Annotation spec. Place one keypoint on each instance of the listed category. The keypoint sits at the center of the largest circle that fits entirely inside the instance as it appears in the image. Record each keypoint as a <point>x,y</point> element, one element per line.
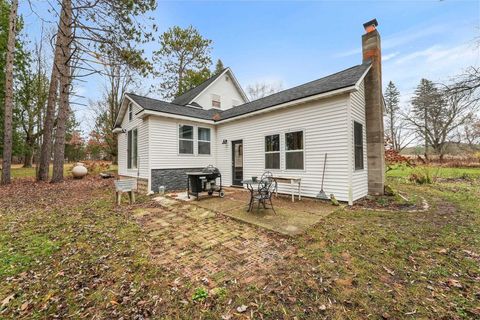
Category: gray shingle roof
<point>188,96</point>
<point>171,108</point>
<point>339,80</point>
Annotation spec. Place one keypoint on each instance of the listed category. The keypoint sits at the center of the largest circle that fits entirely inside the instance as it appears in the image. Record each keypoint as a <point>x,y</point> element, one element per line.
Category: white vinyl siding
<point>164,145</point>
<point>359,177</point>
<point>324,126</point>
<point>142,169</point>
<point>224,90</point>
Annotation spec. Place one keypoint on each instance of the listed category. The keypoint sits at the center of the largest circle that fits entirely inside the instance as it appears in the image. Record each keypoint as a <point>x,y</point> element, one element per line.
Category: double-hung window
<point>358,145</point>
<point>132,149</point>
<point>204,140</point>
<point>272,151</point>
<point>185,139</point>
<point>294,150</point>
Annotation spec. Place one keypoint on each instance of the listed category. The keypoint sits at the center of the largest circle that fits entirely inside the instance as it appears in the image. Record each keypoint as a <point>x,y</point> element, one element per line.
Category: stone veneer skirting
<point>172,179</point>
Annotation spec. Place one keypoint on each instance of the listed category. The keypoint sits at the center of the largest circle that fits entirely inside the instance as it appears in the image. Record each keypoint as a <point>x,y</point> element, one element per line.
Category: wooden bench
<point>128,186</point>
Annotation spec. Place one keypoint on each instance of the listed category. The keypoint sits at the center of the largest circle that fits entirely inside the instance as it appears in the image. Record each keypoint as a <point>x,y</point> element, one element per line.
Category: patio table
<point>293,181</point>
<point>250,186</point>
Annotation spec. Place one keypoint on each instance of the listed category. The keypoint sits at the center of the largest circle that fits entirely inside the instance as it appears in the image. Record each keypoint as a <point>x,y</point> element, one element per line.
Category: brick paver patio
<point>198,243</point>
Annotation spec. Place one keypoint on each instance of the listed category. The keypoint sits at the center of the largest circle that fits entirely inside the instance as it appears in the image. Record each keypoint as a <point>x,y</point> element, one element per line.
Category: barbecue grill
<point>204,181</point>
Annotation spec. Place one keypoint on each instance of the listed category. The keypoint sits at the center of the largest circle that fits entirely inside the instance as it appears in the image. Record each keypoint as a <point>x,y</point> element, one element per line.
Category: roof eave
<point>121,113</point>
<point>146,112</point>
<point>357,84</point>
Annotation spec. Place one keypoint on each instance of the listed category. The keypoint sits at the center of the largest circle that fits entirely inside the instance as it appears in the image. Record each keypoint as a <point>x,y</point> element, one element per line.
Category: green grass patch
<point>402,171</point>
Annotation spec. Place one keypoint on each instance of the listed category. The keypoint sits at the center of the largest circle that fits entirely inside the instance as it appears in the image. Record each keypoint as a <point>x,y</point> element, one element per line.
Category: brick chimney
<point>371,51</point>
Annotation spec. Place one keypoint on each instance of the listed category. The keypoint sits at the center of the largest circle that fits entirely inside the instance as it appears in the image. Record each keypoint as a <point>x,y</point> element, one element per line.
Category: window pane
<point>186,132</point>
<point>294,140</point>
<point>185,147</point>
<point>272,143</point>
<point>272,161</point>
<point>294,160</point>
<point>204,134</point>
<point>129,149</point>
<point>358,145</point>
<point>203,147</point>
<point>135,148</point>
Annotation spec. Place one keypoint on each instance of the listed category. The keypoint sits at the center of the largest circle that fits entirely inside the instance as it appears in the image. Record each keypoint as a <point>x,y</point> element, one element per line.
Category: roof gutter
<point>145,113</point>
<point>293,103</point>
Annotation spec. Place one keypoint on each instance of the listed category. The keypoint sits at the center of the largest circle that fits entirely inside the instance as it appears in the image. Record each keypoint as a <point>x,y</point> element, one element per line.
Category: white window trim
<point>209,141</point>
<point>268,152</point>
<point>302,150</point>
<point>184,139</point>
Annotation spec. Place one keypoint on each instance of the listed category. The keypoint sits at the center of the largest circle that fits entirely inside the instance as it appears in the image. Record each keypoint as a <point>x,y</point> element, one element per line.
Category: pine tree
<point>181,51</point>
<point>426,102</point>
<point>219,67</point>
<point>392,99</point>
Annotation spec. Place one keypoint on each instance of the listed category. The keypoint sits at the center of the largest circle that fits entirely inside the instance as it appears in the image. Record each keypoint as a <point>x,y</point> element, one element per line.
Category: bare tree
<point>66,34</point>
<point>49,118</point>
<point>471,131</point>
<point>85,27</point>
<point>8,114</point>
<point>437,114</point>
<point>262,89</point>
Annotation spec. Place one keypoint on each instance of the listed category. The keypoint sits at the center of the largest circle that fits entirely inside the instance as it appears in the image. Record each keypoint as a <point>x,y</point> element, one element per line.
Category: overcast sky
<point>295,42</point>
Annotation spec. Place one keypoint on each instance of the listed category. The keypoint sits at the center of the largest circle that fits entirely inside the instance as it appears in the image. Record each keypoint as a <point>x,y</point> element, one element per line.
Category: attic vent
<point>216,101</point>
<point>227,78</point>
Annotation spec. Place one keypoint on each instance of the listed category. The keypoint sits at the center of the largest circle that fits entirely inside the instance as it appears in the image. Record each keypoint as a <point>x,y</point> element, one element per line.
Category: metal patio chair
<point>264,193</point>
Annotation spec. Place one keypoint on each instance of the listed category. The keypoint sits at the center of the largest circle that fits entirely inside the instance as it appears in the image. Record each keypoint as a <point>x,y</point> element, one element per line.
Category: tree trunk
<point>28,155</point>
<point>46,149</point>
<point>8,114</point>
<point>65,81</point>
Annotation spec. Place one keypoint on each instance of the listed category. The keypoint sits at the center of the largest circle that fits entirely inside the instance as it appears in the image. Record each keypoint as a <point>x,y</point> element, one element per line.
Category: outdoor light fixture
<point>224,141</point>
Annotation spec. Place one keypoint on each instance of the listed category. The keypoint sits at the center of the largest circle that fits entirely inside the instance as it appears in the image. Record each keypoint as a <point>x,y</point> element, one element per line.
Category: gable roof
<point>191,94</point>
<point>340,80</point>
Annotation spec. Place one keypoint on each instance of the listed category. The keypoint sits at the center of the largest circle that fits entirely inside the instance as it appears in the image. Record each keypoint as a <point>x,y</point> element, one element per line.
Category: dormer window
<point>216,101</point>
<point>130,112</point>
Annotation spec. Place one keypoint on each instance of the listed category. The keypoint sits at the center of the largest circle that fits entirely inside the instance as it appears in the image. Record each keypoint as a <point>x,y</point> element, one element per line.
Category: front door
<point>237,162</point>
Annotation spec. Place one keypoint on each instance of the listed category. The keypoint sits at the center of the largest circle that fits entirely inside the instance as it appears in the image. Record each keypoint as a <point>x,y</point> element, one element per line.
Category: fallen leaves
<point>242,308</point>
<point>7,300</point>
<point>389,271</point>
<point>454,283</point>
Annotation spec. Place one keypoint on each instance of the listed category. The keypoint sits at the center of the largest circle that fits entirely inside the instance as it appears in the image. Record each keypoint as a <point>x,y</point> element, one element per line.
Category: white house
<point>287,133</point>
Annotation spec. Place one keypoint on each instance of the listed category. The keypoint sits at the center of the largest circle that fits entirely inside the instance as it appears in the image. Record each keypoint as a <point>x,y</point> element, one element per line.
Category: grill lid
<point>211,170</point>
